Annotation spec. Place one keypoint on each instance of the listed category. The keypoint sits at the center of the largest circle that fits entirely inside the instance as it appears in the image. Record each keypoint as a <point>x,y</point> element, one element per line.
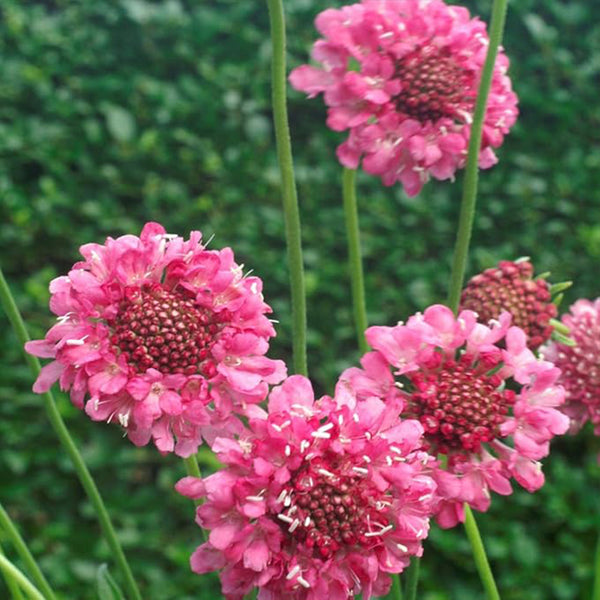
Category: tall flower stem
<point>354,257</point>
<point>11,571</point>
<point>412,579</point>
<point>290,199</point>
<point>481,561</point>
<point>62,432</point>
<point>396,590</point>
<point>11,583</point>
<point>22,550</point>
<point>463,238</point>
<point>469,196</point>
<point>596,591</point>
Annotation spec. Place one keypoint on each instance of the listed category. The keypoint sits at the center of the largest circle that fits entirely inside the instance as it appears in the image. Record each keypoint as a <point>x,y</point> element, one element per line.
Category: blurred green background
<point>117,112</point>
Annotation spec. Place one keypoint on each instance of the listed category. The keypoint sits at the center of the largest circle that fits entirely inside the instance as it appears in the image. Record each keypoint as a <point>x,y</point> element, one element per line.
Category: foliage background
<point>116,112</point>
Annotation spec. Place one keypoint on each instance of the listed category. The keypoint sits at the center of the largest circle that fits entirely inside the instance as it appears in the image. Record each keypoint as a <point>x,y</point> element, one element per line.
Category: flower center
<point>163,330</point>
<point>460,407</point>
<point>433,85</point>
<point>327,511</point>
<point>510,288</point>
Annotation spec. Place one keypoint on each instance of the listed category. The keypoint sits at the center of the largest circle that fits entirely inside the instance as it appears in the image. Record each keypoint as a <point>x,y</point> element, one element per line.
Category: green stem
<point>355,258</point>
<point>62,432</point>
<point>288,185</point>
<point>396,590</point>
<point>412,579</point>
<point>193,470</point>
<point>467,209</point>
<point>22,550</point>
<point>481,561</point>
<point>11,583</point>
<point>20,579</point>
<point>596,591</point>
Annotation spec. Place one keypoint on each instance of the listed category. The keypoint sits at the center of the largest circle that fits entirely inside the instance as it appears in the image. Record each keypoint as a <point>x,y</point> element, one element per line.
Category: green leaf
<point>556,288</point>
<point>120,122</point>
<point>106,586</point>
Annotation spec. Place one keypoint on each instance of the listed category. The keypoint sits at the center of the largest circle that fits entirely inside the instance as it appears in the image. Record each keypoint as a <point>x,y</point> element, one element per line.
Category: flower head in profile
<point>160,335</point>
<point>319,500</point>
<point>485,402</point>
<point>580,364</point>
<point>402,77</point>
<point>511,287</point>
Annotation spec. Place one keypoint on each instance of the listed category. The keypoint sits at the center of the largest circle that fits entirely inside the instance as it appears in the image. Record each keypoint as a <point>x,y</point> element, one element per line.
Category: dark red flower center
<point>510,287</point>
<point>433,85</point>
<point>327,510</point>
<point>164,330</point>
<point>459,406</point>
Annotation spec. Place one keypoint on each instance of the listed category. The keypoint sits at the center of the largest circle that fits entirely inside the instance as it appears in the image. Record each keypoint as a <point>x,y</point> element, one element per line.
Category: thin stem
<point>62,432</point>
<point>396,590</point>
<point>288,185</point>
<point>22,581</point>
<point>469,196</point>
<point>193,470</point>
<point>412,579</point>
<point>596,591</point>
<point>481,561</point>
<point>354,257</point>
<point>22,550</point>
<point>11,583</point>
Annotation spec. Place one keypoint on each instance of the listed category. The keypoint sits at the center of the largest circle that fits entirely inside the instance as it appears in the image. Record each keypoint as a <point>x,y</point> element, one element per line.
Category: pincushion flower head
<point>487,405</point>
<point>160,335</point>
<point>580,364</point>
<point>319,500</point>
<point>402,77</point>
<point>511,287</point>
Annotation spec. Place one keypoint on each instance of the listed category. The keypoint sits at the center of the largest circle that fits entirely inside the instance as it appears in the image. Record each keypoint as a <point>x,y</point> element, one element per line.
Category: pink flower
<point>319,500</point>
<point>510,287</point>
<point>402,77</point>
<point>161,335</point>
<point>485,402</point>
<point>580,364</point>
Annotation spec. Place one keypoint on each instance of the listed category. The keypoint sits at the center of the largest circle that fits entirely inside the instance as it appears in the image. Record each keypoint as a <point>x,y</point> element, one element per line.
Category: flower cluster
<point>485,402</point>
<point>580,364</point>
<point>161,335</point>
<point>510,287</point>
<point>319,500</point>
<point>402,78</point>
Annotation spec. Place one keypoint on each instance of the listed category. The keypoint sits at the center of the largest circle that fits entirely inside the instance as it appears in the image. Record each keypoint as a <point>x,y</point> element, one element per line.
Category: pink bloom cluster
<point>320,499</point>
<point>486,403</point>
<point>161,335</point>
<point>402,76</point>
<point>580,364</point>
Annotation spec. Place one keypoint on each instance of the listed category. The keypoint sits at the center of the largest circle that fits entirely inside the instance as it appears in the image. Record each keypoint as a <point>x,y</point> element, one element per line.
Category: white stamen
<point>254,498</point>
<point>395,449</point>
<point>124,419</point>
<point>380,532</point>
<point>361,470</point>
<point>341,419</point>
<point>287,450</point>
<point>294,526</point>
<point>402,547</point>
<point>285,518</point>
<point>293,572</point>
<point>285,424</point>
<point>325,427</point>
<point>304,444</point>
<point>282,496</point>
<point>355,417</point>
<point>303,582</point>
<point>306,522</point>
<point>366,458</point>
<point>276,427</point>
<point>79,342</point>
<point>399,385</point>
<point>325,472</point>
<point>388,460</point>
<point>287,501</point>
<point>368,435</point>
<point>321,434</point>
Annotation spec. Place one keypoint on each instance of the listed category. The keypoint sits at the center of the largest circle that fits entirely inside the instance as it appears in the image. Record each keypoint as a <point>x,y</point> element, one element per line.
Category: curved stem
<point>22,550</point>
<point>355,258</point>
<point>469,196</point>
<point>62,432</point>
<point>412,579</point>
<point>481,561</point>
<point>288,185</point>
<point>11,583</point>
<point>21,580</point>
<point>596,590</point>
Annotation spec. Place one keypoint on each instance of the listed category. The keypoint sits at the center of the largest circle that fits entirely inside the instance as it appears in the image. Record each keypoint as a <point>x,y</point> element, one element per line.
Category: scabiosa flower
<point>402,76</point>
<point>161,335</point>
<point>485,402</point>
<point>510,287</point>
<point>580,364</point>
<point>319,500</point>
